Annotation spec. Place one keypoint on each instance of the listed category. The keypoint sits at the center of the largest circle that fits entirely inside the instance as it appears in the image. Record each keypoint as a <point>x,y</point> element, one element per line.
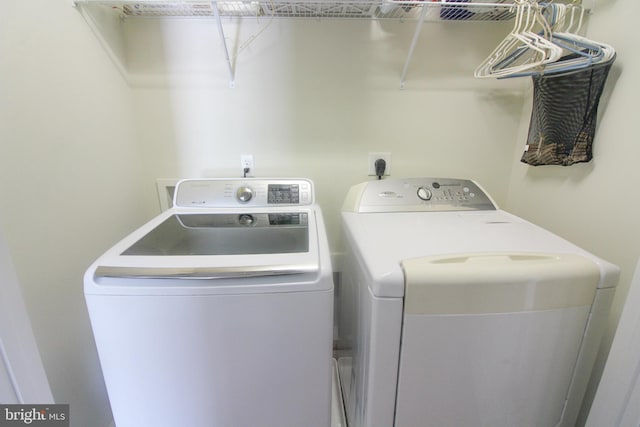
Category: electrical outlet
<point>246,161</point>
<point>371,163</point>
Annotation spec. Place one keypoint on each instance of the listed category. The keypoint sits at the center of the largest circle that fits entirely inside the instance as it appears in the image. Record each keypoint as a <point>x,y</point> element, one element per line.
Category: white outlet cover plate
<point>246,161</point>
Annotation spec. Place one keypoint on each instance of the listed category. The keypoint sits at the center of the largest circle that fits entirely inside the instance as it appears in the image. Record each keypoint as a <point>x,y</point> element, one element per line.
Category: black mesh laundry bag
<point>564,115</point>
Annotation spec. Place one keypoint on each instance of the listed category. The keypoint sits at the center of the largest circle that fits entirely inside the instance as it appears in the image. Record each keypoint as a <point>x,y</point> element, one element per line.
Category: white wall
<point>595,204</point>
<point>312,98</point>
<point>71,184</point>
<point>78,146</point>
<point>22,375</point>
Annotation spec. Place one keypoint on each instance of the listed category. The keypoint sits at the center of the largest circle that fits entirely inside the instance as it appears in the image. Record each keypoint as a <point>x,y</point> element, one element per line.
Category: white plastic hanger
<point>523,49</point>
<point>512,42</point>
<point>571,34</point>
<point>556,48</point>
<point>576,54</point>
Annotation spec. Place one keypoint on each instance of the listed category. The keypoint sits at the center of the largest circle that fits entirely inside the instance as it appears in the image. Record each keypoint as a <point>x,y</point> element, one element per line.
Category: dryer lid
<point>498,283</point>
<point>381,241</point>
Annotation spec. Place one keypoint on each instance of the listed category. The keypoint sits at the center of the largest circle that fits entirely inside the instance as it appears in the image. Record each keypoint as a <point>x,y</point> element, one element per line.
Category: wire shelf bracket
<point>216,13</point>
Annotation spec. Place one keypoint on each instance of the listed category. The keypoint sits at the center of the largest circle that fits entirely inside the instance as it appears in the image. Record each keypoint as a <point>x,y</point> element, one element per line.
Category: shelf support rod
<point>216,13</point>
<point>423,13</point>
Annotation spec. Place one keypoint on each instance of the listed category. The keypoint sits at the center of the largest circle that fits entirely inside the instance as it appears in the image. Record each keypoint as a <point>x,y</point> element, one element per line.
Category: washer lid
<point>226,234</point>
<point>197,244</point>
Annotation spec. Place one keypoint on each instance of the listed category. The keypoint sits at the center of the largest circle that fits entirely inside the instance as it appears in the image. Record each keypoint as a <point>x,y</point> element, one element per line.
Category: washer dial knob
<point>246,219</point>
<point>424,193</point>
<point>244,194</point>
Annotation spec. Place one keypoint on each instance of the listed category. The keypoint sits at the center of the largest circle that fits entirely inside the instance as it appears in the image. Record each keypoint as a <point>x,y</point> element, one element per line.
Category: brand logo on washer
<point>388,194</point>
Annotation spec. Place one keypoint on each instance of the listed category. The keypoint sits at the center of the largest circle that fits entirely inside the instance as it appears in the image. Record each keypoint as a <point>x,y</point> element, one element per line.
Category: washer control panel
<point>241,192</point>
<point>418,194</point>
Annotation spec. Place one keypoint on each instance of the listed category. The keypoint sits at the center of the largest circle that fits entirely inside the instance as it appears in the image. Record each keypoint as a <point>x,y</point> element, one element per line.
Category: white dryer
<point>218,312</point>
<point>461,314</point>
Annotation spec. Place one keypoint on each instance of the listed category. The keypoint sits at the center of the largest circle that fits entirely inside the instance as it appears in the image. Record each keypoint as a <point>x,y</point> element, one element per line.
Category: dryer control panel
<point>243,192</point>
<point>418,195</point>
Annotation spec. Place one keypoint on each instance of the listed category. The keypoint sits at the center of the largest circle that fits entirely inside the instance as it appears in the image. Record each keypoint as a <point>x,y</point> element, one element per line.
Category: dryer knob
<point>424,193</point>
<point>244,194</point>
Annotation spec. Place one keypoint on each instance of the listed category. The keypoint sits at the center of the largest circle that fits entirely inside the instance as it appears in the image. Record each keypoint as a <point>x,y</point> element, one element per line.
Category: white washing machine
<point>461,314</point>
<point>219,312</point>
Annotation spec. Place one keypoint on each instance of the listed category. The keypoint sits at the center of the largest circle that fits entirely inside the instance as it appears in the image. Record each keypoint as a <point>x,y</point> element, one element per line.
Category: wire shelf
<point>437,10</point>
<point>316,9</point>
<point>419,11</point>
<point>186,9</point>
